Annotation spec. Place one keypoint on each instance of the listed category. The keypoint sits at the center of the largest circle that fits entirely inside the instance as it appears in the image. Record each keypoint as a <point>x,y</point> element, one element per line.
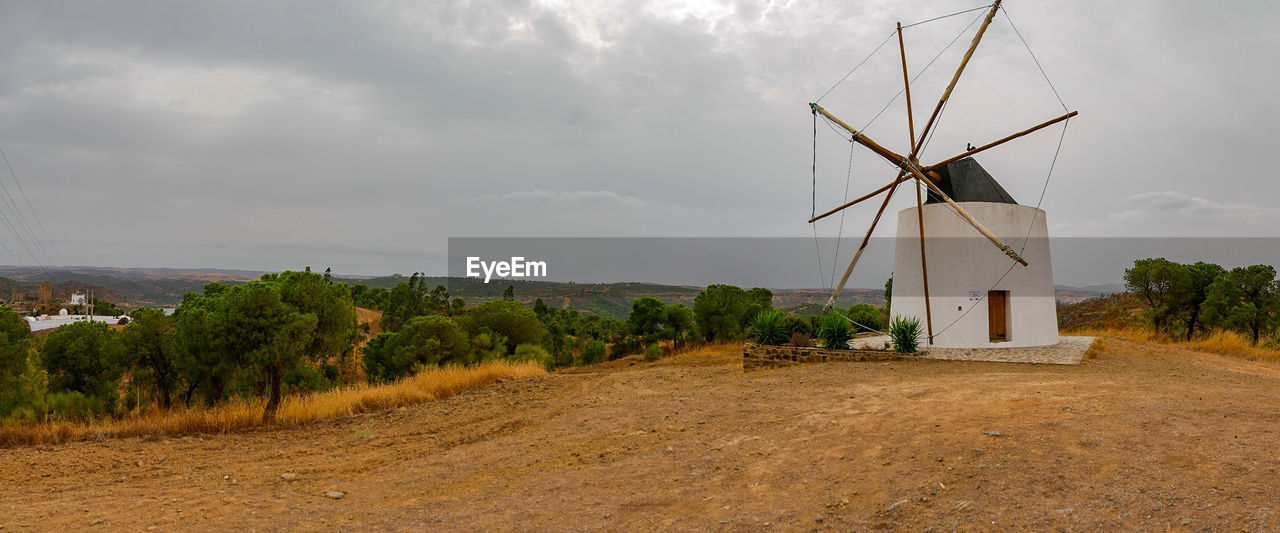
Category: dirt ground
<point>1140,437</point>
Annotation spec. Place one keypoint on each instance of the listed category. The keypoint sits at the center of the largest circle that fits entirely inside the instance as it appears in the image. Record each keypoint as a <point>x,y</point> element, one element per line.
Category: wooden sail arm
<point>893,157</point>
<point>859,138</point>
<point>994,144</point>
<point>955,78</point>
<point>902,176</point>
<point>906,88</point>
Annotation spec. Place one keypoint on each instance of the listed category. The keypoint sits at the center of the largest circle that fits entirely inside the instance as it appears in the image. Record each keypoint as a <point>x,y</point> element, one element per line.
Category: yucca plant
<point>905,332</point>
<point>835,331</point>
<point>769,327</point>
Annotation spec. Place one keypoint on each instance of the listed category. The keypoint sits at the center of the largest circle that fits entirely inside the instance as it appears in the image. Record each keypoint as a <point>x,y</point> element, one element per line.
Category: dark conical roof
<point>966,181</point>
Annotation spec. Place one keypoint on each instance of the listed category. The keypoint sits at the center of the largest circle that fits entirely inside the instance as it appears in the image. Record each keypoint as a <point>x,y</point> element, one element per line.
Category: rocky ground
<point>1136,437</point>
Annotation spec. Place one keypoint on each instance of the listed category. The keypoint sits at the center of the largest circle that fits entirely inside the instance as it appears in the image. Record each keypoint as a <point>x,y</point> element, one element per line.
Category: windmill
<point>935,178</point>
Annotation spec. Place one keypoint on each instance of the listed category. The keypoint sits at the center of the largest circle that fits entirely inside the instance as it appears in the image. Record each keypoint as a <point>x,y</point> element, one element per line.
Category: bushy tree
<point>81,357</point>
<point>14,341</point>
<point>798,324</point>
<point>1245,299</point>
<point>332,304</point>
<point>867,317</point>
<point>721,312</point>
<point>594,352</point>
<point>410,299</point>
<point>1159,282</point>
<point>533,353</point>
<point>147,347</point>
<point>205,359</point>
<point>648,315</point>
<point>516,323</point>
<point>1195,290</point>
<point>423,341</point>
<point>15,358</point>
<point>679,322</point>
<point>888,295</point>
<point>272,335</point>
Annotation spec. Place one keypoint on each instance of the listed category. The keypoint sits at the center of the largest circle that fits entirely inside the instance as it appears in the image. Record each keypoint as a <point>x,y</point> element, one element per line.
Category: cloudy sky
<point>362,135</point>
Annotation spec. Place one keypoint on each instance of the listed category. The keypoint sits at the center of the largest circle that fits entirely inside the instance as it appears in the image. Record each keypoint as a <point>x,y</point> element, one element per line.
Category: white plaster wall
<point>962,262</point>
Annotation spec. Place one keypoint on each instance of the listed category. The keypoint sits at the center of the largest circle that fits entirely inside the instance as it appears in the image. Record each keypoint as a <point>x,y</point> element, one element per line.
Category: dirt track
<point>1141,437</point>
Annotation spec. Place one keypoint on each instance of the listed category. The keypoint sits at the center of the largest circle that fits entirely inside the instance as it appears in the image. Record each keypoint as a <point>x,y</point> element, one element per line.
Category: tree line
<point>1190,299</point>
<point>294,332</point>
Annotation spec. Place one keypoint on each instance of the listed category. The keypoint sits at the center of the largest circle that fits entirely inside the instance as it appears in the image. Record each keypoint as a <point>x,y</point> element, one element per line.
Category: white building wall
<point>964,265</point>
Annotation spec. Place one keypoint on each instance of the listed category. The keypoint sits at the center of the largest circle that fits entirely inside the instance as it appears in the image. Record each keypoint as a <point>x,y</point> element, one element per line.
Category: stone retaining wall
<point>759,356</point>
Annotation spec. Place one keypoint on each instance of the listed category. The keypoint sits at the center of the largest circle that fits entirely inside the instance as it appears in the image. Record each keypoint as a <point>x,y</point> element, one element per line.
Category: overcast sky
<point>361,135</point>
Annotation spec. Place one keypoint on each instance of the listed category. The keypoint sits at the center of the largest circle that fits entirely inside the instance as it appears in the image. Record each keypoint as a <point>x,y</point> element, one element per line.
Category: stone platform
<point>1068,351</point>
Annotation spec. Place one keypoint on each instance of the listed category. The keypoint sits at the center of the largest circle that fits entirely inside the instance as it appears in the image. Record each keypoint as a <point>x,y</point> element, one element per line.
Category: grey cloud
<point>332,125</point>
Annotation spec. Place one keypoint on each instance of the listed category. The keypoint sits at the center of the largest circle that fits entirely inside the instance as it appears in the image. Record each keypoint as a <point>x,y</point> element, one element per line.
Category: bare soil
<point>1138,437</point>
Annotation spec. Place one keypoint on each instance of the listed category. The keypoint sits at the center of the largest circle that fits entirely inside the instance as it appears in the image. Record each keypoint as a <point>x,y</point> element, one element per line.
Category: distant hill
<point>127,287</point>
<point>1068,295</point>
<point>1122,310</point>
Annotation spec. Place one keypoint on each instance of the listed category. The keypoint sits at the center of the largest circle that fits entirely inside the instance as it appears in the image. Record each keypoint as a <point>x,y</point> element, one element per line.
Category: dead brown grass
<point>1219,342</point>
<point>236,414</point>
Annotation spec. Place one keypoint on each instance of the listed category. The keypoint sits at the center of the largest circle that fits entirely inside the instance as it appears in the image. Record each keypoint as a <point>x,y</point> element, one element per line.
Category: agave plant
<point>769,327</point>
<point>835,331</point>
<point>905,332</point>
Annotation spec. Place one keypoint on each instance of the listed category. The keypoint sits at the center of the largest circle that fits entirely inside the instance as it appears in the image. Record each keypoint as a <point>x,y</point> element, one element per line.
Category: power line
<point>856,67</point>
<point>945,16</point>
<point>31,209</point>
<point>17,236</point>
<point>1033,58</point>
<point>22,222</point>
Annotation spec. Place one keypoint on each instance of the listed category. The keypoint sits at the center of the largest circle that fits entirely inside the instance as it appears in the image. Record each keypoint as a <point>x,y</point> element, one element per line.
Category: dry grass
<point>1219,342</point>
<point>425,386</point>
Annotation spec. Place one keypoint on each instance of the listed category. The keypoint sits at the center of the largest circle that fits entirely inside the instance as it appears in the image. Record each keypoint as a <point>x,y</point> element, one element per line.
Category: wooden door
<point>998,315</point>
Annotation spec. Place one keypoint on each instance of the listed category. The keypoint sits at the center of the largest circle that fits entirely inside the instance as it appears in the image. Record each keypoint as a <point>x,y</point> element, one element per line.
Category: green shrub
<point>306,378</point>
<point>82,357</point>
<point>72,405</point>
<point>594,352</point>
<point>835,331</point>
<point>422,341</point>
<point>769,327</point>
<point>652,352</point>
<point>905,332</point>
<point>535,353</point>
<point>868,317</point>
<point>798,324</point>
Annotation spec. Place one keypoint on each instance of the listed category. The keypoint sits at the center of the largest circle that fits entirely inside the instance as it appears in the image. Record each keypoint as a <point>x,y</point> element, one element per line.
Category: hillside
<point>691,443</point>
<point>128,287</point>
<point>1122,310</point>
